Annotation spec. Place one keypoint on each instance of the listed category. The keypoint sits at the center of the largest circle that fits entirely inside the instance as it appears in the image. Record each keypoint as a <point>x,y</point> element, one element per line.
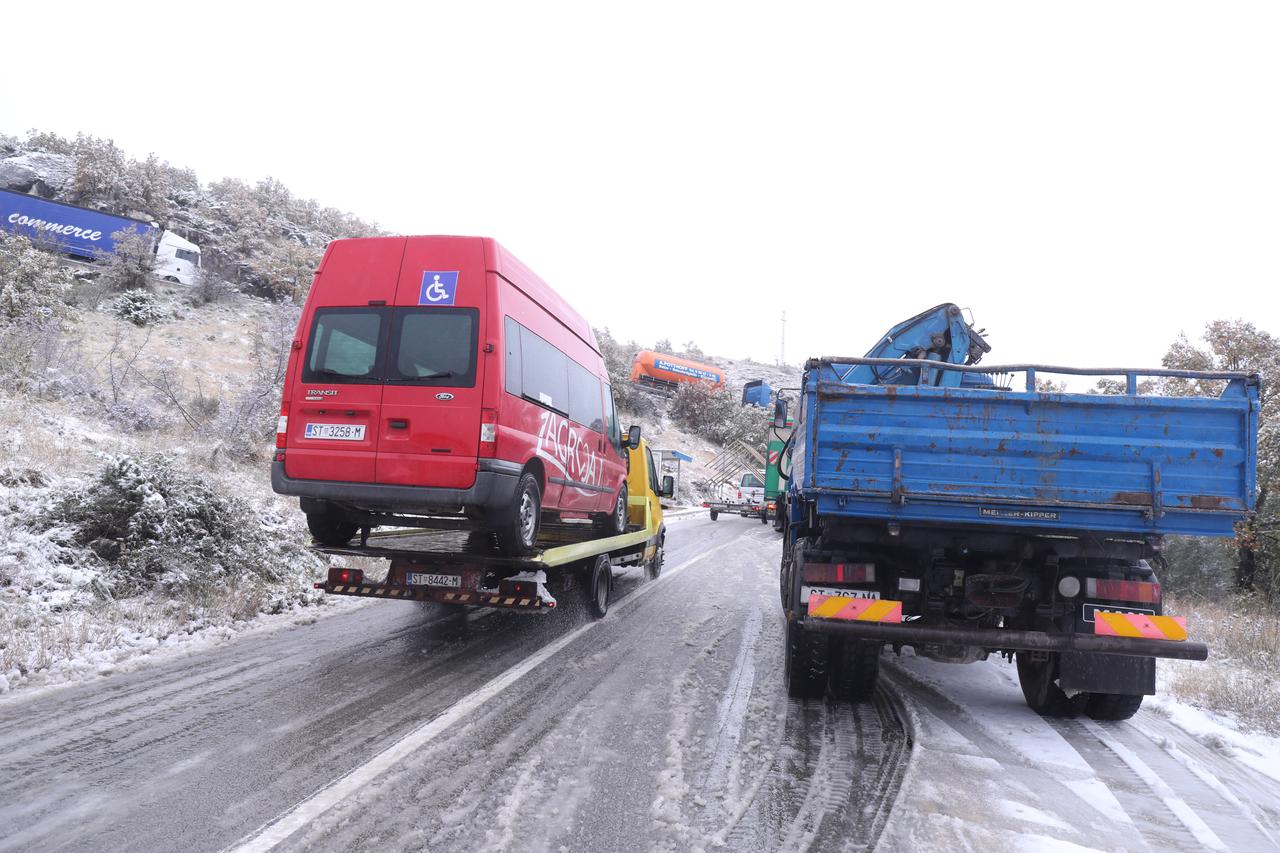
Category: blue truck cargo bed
<point>1057,462</point>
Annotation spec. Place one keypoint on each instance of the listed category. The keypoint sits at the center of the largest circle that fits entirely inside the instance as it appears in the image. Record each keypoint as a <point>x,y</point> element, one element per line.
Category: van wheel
<point>617,521</point>
<point>518,531</point>
<point>331,528</point>
<point>714,515</point>
<point>599,579</point>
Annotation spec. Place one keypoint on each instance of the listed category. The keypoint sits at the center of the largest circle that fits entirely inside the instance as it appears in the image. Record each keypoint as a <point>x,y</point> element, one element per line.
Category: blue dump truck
<point>956,510</point>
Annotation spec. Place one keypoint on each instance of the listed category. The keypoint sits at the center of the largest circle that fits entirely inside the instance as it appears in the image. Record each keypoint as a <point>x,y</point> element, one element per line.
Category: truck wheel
<point>599,579</point>
<point>855,668</point>
<point>764,516</point>
<point>714,515</point>
<point>654,567</point>
<point>806,663</point>
<point>331,528</point>
<point>517,529</point>
<point>1112,706</point>
<point>1038,680</point>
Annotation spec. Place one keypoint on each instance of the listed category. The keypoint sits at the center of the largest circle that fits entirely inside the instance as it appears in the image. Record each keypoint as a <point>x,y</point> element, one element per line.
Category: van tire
<point>331,528</point>
<point>714,515</point>
<point>616,523</point>
<point>517,527</point>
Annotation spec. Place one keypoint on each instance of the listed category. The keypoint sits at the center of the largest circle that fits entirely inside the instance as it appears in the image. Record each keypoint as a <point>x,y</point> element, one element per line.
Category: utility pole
<point>782,350</point>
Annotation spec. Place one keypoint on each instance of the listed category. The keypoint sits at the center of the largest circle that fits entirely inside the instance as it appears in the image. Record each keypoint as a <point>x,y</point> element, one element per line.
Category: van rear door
<point>429,434</point>
<point>336,398</point>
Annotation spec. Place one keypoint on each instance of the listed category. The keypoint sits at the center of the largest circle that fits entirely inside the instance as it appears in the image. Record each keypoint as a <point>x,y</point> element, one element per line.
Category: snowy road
<point>664,726</point>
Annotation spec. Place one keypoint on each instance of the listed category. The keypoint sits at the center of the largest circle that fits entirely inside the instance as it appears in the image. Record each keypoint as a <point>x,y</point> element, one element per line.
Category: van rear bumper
<point>493,489</point>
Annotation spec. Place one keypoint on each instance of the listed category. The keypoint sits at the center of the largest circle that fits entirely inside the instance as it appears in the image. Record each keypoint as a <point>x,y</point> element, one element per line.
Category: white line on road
<point>285,825</point>
<point>1176,804</point>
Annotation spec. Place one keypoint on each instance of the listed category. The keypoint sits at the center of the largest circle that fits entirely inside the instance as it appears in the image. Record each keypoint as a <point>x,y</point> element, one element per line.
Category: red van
<point>436,381</point>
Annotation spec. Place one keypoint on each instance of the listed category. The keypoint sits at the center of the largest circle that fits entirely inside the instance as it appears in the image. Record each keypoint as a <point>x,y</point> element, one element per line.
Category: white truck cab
<point>177,259</point>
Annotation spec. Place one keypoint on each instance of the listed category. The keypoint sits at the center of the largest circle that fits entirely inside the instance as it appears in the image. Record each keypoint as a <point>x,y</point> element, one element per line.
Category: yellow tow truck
<point>465,567</point>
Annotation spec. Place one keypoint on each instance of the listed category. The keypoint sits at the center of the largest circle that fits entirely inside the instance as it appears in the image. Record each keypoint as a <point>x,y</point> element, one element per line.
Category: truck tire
<point>1038,679</point>
<point>597,587</point>
<point>517,526</point>
<point>1112,706</point>
<point>331,528</point>
<point>806,663</point>
<point>714,515</point>
<point>764,516</point>
<point>855,668</point>
<point>653,569</point>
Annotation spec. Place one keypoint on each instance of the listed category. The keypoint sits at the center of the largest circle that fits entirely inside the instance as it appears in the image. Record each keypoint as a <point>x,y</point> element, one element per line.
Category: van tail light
<point>739,494</point>
<point>1109,590</point>
<point>282,425</point>
<point>488,433</point>
<point>839,573</point>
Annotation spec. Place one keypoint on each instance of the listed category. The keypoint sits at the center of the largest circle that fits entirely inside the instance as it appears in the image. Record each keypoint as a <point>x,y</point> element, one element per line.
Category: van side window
<point>512,366</point>
<point>344,345</point>
<point>544,377</point>
<point>611,419</point>
<point>584,397</point>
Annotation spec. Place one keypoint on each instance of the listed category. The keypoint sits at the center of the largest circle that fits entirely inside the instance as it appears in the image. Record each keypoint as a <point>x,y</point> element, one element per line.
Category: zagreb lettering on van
<point>564,447</point>
<point>53,227</point>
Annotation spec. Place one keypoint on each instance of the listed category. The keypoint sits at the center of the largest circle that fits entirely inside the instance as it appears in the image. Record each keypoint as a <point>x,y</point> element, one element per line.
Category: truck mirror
<point>633,437</point>
<point>780,414</point>
<point>668,487</point>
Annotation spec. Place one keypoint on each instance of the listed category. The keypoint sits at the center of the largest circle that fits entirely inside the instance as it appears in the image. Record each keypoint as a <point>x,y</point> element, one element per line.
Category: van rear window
<point>418,346</point>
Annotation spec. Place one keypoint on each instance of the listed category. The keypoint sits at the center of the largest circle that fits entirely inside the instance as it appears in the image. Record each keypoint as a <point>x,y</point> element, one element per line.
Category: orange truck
<point>667,372</point>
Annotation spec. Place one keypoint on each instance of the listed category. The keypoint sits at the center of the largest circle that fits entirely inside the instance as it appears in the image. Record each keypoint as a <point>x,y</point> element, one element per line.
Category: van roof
<point>507,265</point>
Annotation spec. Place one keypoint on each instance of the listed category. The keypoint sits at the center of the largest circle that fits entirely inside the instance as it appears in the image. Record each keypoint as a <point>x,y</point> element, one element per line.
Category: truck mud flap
<point>1011,640</point>
<point>1092,673</point>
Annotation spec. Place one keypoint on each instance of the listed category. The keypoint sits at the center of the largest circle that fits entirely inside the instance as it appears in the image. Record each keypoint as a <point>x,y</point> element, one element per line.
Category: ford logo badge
<point>444,396</point>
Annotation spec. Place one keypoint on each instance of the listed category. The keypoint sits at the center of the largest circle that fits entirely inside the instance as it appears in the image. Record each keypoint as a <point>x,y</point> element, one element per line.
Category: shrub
<point>33,285</point>
<point>157,526</point>
<point>715,414</point>
<point>139,307</point>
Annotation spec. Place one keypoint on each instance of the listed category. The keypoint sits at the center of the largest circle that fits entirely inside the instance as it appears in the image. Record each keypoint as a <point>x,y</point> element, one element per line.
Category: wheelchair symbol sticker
<point>438,288</point>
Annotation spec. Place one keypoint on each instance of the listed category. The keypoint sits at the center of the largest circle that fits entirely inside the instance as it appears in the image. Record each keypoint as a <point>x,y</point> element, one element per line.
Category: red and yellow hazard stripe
<point>854,609</point>
<point>1107,624</point>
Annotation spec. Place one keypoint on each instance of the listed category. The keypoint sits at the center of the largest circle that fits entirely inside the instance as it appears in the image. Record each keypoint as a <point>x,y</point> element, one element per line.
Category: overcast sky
<point>1089,179</point>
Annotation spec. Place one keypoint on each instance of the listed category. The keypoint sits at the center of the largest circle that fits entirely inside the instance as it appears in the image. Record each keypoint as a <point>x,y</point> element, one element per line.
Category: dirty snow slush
<point>664,726</point>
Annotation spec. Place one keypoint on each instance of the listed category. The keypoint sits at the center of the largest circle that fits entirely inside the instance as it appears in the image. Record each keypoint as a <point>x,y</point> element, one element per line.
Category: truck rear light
<point>488,433</point>
<point>839,573</point>
<point>1111,590</point>
<point>520,589</point>
<point>345,576</point>
<point>282,426</point>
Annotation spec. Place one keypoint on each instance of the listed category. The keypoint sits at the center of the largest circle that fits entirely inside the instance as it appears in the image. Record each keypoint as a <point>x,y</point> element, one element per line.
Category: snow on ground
<point>989,773</point>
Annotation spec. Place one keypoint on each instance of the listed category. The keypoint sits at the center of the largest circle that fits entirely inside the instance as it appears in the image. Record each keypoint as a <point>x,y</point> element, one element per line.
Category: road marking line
<point>1183,812</point>
<point>279,829</point>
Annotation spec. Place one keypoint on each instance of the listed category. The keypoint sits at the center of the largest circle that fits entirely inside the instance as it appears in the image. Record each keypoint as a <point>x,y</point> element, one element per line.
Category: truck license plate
<point>806,591</point>
<point>339,432</point>
<point>417,579</point>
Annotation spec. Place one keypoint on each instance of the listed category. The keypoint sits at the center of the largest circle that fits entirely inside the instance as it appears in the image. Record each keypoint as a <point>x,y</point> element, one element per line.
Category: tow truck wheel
<point>806,663</point>
<point>331,528</point>
<point>518,529</point>
<point>855,668</point>
<point>1038,678</point>
<point>653,568</point>
<point>599,579</point>
<point>1112,706</point>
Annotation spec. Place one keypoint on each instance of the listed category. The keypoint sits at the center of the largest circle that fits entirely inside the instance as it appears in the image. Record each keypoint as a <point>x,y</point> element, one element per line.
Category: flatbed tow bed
<point>454,567</point>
